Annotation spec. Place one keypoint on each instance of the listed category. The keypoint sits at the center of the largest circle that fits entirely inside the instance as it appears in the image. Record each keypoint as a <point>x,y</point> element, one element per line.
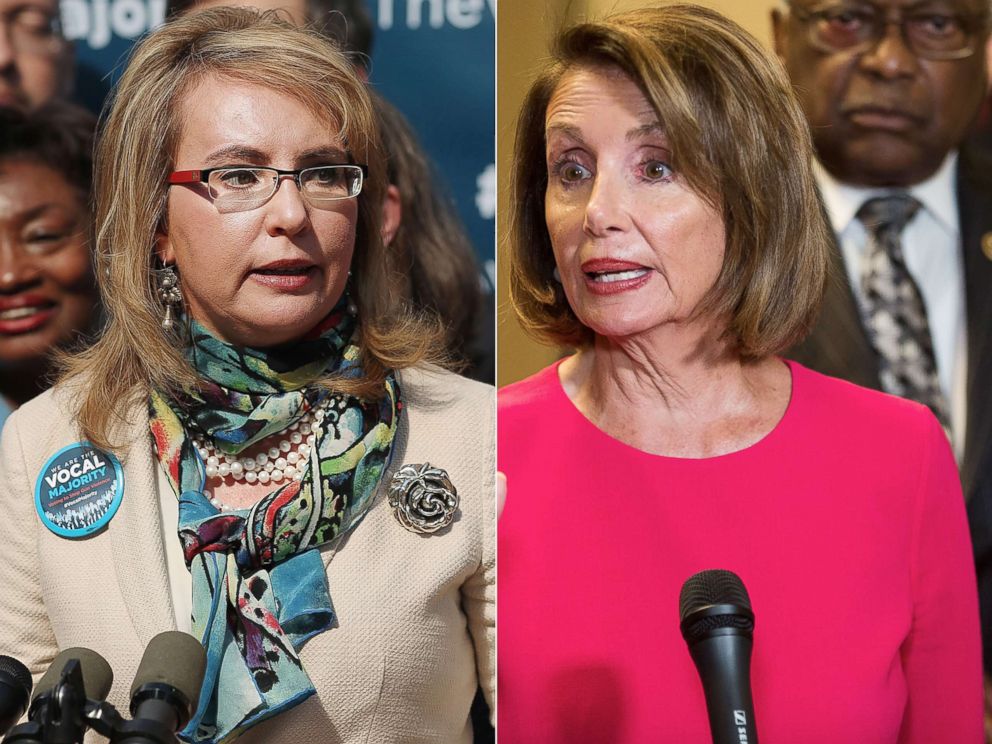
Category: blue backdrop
<point>434,59</point>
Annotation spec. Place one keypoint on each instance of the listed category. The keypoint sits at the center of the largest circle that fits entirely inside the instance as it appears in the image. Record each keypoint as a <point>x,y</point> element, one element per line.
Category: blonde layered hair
<point>134,157</point>
<point>738,138</point>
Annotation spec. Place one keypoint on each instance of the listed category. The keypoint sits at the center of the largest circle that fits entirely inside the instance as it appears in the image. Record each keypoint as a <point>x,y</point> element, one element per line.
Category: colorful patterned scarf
<point>259,585</point>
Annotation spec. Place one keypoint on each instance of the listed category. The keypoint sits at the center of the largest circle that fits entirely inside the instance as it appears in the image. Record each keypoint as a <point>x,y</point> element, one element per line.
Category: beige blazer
<point>416,613</point>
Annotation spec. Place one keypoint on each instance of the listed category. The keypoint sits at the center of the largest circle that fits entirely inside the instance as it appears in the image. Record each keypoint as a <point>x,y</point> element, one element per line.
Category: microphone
<point>56,715</point>
<point>15,691</point>
<point>166,688</point>
<point>96,674</point>
<point>718,624</point>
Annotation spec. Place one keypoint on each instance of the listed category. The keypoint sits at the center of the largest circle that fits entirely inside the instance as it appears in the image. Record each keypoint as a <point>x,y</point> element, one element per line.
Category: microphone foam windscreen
<point>713,587</point>
<point>176,659</point>
<point>19,673</point>
<point>97,674</point>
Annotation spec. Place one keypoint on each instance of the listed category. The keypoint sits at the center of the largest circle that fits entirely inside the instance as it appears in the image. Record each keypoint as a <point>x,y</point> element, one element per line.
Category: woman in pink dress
<point>667,226</point>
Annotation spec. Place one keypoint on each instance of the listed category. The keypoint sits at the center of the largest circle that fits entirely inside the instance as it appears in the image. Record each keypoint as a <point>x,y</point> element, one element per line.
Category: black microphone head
<point>97,674</point>
<point>174,659</point>
<point>713,587</point>
<point>18,674</point>
<point>714,599</point>
<point>15,691</point>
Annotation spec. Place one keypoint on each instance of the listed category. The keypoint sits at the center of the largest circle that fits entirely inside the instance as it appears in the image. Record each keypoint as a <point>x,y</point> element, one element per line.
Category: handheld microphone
<point>166,689</point>
<point>718,625</point>
<point>15,691</point>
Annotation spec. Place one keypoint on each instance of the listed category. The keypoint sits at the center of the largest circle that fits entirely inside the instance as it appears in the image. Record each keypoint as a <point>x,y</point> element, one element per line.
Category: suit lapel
<point>837,345</point>
<point>974,193</point>
<point>136,535</point>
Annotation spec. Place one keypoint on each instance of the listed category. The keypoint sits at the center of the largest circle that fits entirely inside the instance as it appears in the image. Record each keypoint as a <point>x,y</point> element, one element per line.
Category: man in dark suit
<point>890,89</point>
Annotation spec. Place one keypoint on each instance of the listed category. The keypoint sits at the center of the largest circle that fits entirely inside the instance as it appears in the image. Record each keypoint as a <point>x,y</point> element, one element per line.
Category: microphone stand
<point>62,716</point>
<point>56,716</point>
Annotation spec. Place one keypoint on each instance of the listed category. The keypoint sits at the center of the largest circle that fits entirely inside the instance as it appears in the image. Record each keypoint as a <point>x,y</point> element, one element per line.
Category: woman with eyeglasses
<point>667,225</point>
<point>259,450</point>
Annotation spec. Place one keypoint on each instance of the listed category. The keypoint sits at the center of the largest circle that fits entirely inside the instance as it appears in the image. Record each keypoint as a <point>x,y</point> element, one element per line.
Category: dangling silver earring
<point>556,275</point>
<point>169,293</point>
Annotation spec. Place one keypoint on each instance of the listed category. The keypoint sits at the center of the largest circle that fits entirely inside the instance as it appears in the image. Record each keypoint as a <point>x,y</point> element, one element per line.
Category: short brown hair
<point>739,139</point>
<point>134,156</point>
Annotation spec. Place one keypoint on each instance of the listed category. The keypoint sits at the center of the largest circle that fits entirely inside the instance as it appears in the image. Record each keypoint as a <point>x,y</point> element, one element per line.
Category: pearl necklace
<point>287,459</point>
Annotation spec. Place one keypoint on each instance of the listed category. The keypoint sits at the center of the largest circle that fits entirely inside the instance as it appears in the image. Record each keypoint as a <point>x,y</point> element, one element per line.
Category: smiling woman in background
<point>48,297</point>
<point>259,391</point>
<point>667,225</point>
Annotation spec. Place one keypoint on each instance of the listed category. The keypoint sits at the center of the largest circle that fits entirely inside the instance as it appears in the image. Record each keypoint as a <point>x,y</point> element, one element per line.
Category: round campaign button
<point>79,490</point>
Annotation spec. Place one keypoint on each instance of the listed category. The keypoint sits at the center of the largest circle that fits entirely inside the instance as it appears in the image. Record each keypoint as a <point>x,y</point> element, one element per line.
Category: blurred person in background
<point>48,296</point>
<point>439,273</point>
<point>35,60</point>
<point>890,91</point>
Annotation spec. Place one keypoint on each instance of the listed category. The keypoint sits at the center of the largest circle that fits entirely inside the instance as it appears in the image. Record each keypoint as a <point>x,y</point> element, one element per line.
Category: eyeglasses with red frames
<point>241,188</point>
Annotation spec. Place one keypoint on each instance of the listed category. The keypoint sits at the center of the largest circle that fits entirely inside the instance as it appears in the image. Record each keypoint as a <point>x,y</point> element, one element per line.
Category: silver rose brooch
<point>423,498</point>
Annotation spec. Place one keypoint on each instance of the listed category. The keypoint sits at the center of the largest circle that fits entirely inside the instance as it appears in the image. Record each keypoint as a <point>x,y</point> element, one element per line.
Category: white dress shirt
<point>931,245</point>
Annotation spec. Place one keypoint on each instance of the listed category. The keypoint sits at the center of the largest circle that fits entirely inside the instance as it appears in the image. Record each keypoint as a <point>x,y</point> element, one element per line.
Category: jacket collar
<point>136,535</point>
